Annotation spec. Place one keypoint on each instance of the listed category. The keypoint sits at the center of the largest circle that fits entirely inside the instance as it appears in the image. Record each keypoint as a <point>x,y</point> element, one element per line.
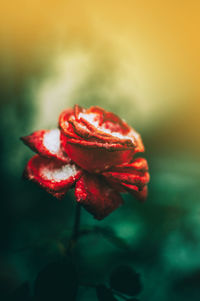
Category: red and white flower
<point>92,150</point>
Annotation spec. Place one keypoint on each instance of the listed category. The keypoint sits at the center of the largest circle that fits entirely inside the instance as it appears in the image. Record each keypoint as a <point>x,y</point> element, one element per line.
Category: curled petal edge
<point>53,175</point>
<point>46,143</point>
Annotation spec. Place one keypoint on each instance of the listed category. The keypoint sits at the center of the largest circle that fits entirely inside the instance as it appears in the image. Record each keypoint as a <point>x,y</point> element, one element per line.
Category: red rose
<point>94,151</point>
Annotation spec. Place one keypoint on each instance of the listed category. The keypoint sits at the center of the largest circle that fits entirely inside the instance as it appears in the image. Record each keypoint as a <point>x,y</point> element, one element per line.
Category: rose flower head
<point>94,151</point>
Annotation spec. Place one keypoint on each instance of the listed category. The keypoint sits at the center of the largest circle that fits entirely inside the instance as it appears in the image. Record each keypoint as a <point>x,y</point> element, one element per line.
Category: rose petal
<point>139,146</point>
<point>46,143</point>
<point>131,188</point>
<point>99,112</point>
<point>96,158</point>
<point>138,164</point>
<point>64,117</point>
<point>116,185</point>
<point>54,176</point>
<point>77,110</point>
<point>134,178</point>
<point>95,143</point>
<point>115,124</point>
<point>96,195</point>
<point>131,177</point>
<point>141,195</point>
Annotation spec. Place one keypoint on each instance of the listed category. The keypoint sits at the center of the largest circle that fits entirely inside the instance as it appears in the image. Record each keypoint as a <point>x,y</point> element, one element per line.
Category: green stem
<point>76,229</point>
<point>77,222</point>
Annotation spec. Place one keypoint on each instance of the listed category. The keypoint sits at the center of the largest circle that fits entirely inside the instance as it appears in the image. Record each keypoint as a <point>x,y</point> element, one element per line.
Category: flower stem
<point>77,222</point>
<point>76,230</point>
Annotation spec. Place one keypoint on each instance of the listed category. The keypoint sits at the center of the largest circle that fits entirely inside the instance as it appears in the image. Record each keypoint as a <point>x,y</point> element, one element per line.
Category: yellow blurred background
<point>140,59</point>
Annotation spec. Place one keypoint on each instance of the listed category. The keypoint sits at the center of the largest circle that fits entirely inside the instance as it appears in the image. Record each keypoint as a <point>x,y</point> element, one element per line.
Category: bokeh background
<point>141,60</point>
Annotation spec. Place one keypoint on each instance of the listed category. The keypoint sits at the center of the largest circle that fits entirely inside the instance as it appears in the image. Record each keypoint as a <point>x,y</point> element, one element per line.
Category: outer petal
<point>138,179</point>
<point>138,164</point>
<point>47,143</point>
<point>98,198</point>
<point>64,117</point>
<point>132,177</point>
<point>141,195</point>
<point>114,123</point>
<point>95,159</point>
<point>54,176</point>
